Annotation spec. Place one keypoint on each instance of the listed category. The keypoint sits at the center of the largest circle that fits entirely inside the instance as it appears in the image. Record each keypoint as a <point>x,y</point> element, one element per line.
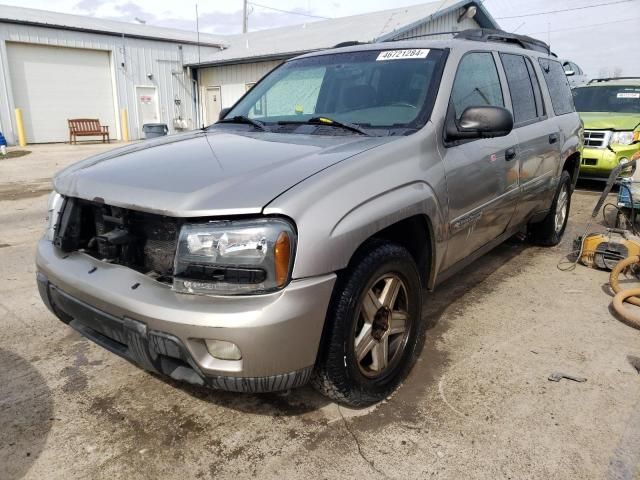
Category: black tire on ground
<point>338,374</point>
<point>546,233</point>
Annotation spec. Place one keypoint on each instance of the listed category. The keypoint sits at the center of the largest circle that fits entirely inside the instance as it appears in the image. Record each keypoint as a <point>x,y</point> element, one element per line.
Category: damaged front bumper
<point>163,331</point>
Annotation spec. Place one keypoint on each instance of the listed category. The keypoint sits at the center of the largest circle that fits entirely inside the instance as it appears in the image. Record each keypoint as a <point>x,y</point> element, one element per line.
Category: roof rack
<point>491,35</point>
<point>432,34</point>
<point>350,43</point>
<point>608,79</point>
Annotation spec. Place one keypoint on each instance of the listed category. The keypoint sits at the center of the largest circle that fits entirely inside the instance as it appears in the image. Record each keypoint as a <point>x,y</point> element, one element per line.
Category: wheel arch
<point>572,166</point>
<point>409,215</point>
<point>415,233</point>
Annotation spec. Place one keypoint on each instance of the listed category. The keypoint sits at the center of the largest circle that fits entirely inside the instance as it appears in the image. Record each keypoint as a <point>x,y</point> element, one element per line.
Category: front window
<point>616,99</point>
<point>381,92</point>
<point>476,83</point>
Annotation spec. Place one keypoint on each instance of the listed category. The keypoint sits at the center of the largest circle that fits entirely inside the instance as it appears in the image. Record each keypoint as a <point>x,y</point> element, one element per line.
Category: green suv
<point>610,111</point>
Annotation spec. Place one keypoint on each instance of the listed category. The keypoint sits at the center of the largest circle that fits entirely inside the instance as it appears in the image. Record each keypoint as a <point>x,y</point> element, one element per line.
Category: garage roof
<point>288,41</point>
<point>30,16</point>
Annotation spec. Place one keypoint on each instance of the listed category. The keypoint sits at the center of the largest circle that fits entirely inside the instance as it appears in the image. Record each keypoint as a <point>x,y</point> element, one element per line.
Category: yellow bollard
<point>124,124</point>
<point>22,139</point>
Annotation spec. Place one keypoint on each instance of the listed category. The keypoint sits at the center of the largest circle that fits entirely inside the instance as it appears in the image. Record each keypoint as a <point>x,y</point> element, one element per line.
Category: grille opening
<point>596,138</point>
<point>141,241</point>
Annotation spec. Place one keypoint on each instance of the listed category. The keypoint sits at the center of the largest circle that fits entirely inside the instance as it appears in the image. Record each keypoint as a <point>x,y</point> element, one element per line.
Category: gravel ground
<point>477,405</point>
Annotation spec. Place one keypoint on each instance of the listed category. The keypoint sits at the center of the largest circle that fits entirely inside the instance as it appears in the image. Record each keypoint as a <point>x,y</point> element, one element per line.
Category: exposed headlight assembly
<point>234,257</point>
<point>53,211</point>
<point>622,138</point>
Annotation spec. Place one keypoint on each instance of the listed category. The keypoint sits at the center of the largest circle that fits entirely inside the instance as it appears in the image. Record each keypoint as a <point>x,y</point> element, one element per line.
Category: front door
<point>481,175</point>
<point>147,100</point>
<point>213,104</point>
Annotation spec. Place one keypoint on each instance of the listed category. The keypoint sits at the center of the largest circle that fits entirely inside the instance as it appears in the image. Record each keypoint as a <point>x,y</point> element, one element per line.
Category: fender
<point>389,208</point>
<point>339,208</point>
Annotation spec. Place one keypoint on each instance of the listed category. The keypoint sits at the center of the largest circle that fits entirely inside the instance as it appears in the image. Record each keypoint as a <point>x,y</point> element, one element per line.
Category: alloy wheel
<point>561,208</point>
<point>382,326</point>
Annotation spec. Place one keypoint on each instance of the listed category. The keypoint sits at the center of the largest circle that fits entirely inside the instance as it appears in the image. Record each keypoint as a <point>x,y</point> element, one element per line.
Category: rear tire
<point>373,331</point>
<point>549,231</point>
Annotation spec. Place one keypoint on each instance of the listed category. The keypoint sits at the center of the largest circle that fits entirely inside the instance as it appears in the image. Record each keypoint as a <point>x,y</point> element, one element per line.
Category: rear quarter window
<point>558,86</point>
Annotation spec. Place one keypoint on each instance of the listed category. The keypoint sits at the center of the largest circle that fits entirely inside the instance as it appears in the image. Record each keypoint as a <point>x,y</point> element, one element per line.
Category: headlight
<point>234,257</point>
<point>53,210</point>
<point>622,138</point>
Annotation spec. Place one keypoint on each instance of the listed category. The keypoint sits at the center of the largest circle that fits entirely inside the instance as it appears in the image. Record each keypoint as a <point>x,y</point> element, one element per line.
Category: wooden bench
<point>87,127</point>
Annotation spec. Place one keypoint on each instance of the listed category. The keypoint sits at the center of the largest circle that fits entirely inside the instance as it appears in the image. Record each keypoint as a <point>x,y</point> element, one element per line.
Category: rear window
<point>617,99</point>
<point>558,85</point>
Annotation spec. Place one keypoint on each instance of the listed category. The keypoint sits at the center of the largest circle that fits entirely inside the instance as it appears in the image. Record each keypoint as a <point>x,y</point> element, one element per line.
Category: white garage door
<point>53,84</point>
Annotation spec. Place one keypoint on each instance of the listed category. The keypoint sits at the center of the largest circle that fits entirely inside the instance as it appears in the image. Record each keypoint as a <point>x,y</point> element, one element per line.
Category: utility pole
<point>245,17</point>
<point>198,31</point>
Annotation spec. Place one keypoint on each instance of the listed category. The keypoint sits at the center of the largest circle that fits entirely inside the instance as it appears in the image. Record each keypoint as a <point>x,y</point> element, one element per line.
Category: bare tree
<point>617,72</point>
<point>603,73</point>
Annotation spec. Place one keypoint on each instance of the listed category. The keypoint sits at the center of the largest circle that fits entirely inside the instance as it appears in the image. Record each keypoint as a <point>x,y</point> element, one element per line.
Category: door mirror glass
<point>223,113</point>
<point>481,122</point>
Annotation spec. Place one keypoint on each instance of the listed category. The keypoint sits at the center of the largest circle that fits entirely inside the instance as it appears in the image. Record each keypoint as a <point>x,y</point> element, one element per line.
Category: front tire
<point>549,231</point>
<point>373,330</point>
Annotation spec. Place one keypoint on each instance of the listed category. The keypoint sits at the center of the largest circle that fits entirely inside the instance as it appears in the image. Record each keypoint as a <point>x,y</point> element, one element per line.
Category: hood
<point>610,121</point>
<point>218,172</point>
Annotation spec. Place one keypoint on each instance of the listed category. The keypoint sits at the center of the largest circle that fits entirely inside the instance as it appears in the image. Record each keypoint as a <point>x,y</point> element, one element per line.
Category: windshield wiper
<point>335,123</point>
<point>244,119</point>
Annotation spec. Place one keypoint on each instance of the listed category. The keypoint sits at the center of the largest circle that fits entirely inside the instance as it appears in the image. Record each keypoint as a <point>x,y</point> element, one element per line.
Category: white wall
<point>233,79</point>
<point>164,60</point>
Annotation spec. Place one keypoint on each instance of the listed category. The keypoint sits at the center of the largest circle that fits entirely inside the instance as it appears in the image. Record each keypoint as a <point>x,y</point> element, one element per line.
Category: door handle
<point>510,154</point>
<point>553,138</point>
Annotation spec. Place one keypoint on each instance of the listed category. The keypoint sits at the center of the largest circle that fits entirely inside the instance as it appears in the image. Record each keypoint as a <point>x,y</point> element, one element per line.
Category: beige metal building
<point>224,75</point>
<point>55,66</point>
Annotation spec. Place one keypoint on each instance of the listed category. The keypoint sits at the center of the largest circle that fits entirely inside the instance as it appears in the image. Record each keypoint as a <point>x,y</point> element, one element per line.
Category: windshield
<point>617,99</point>
<point>388,89</point>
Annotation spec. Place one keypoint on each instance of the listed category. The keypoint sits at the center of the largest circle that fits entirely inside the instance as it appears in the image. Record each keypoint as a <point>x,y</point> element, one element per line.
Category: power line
<point>584,26</point>
<point>288,11</point>
<point>564,10</point>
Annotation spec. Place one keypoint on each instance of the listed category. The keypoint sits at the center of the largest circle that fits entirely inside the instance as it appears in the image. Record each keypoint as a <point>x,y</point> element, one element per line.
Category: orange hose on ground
<point>630,318</point>
<point>615,283</point>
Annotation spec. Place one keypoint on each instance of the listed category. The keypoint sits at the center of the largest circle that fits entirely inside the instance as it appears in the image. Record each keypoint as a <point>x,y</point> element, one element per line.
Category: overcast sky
<point>599,39</point>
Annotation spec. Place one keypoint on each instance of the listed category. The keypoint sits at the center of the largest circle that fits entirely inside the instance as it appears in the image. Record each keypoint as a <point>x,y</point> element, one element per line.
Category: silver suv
<point>292,241</point>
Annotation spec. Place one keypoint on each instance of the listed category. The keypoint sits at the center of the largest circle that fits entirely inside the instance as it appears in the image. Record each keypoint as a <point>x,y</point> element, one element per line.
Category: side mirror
<point>479,122</point>
<point>223,113</point>
<point>569,73</point>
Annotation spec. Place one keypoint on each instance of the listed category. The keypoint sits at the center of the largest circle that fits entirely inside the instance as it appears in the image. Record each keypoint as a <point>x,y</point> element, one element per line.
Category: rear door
<point>538,149</point>
<point>481,175</point>
<point>147,106</point>
<point>213,104</point>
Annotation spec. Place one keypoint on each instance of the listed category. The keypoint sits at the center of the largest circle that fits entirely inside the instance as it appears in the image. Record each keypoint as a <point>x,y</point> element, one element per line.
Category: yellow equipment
<point>605,250</point>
